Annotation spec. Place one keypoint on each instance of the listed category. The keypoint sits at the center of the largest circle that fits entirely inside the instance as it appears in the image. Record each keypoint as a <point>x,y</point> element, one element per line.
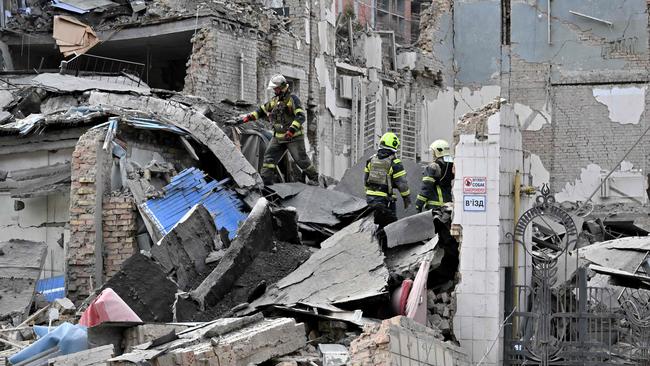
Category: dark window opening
<point>505,22</point>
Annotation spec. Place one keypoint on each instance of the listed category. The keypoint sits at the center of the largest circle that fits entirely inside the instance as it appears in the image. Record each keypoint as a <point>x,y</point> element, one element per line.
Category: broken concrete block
<point>322,206</point>
<point>285,224</point>
<point>398,338</point>
<point>404,261</point>
<point>20,268</point>
<point>259,342</point>
<point>183,251</point>
<point>236,324</point>
<point>144,286</point>
<point>148,332</point>
<point>252,238</point>
<point>90,357</point>
<point>215,256</point>
<point>431,299</point>
<point>64,305</point>
<point>411,229</point>
<point>333,354</point>
<point>349,266</point>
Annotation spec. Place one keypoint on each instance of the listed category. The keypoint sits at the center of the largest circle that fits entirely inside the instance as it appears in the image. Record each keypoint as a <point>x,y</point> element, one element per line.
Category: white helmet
<point>277,81</point>
<point>440,148</point>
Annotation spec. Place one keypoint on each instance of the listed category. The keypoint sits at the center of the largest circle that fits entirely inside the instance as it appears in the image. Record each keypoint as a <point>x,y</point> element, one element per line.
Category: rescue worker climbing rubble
<point>383,173</point>
<point>285,113</point>
<point>437,178</point>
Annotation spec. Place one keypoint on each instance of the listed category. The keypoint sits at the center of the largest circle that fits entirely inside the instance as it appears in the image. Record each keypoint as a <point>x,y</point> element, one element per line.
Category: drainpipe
<point>515,249</point>
<point>241,75</point>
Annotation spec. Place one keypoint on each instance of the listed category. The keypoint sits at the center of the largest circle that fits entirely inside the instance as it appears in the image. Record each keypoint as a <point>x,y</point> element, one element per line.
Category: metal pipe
<point>515,249</point>
<point>548,28</point>
<point>241,75</point>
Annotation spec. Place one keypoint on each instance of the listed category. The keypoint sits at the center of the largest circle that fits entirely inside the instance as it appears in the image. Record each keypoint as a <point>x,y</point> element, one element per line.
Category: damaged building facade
<point>529,92</point>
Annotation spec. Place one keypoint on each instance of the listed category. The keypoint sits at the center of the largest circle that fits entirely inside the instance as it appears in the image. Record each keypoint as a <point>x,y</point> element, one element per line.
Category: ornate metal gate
<point>553,317</point>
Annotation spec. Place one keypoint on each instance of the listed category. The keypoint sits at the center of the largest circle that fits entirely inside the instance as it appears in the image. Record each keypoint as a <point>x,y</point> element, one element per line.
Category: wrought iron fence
<point>555,318</point>
<point>104,68</point>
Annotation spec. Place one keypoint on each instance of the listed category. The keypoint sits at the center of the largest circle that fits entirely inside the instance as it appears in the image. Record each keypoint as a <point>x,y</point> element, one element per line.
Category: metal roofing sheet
<point>189,188</point>
<point>52,288</point>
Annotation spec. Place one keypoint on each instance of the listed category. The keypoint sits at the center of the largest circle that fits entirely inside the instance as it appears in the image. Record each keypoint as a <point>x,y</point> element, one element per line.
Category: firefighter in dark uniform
<point>437,178</point>
<point>383,173</point>
<point>285,113</point>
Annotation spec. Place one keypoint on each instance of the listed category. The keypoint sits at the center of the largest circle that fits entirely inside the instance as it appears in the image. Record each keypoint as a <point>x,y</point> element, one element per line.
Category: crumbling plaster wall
<point>43,219</point>
<point>582,133</point>
<point>566,122</point>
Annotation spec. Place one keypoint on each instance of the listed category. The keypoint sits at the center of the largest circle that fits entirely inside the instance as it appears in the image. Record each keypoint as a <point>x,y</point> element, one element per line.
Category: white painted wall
<point>485,250</point>
<point>625,105</point>
<point>43,218</point>
<point>478,314</point>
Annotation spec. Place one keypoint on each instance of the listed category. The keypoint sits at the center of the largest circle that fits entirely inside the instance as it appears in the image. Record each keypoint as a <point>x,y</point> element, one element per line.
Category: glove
<point>239,120</point>
<point>407,201</point>
<point>289,134</point>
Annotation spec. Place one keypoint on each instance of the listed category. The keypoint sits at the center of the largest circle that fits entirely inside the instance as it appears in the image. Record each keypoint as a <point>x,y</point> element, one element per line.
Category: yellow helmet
<point>389,140</point>
<point>440,148</point>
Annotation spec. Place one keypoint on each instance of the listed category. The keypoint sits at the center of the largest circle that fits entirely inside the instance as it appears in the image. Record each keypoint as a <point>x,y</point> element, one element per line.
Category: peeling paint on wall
<point>625,105</point>
<point>623,185</point>
<point>583,186</point>
<point>468,100</point>
<point>322,74</point>
<point>537,171</point>
<point>437,115</point>
<point>531,119</point>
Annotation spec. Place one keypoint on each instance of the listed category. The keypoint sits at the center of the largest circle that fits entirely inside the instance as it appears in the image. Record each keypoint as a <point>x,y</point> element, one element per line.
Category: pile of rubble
<point>36,16</point>
<point>206,264</point>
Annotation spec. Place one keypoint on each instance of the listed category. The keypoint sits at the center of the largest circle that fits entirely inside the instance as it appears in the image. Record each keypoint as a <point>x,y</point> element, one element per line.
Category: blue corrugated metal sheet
<point>52,288</point>
<point>189,188</point>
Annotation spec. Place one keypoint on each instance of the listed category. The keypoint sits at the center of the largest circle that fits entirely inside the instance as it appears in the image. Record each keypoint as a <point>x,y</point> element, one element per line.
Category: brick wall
<point>213,70</point>
<point>80,253</point>
<point>582,133</point>
<point>119,226</point>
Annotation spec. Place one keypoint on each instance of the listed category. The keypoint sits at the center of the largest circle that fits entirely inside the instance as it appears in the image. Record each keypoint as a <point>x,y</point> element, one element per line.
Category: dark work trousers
<point>276,149</point>
<point>385,211</point>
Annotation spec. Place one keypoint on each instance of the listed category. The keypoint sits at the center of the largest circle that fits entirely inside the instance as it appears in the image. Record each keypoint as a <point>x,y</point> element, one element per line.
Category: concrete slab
<point>260,342</point>
<point>317,205</point>
<point>411,229</point>
<point>622,254</point>
<point>144,286</point>
<point>68,83</point>
<point>349,266</point>
<point>404,261</point>
<point>184,249</point>
<point>91,357</point>
<point>21,262</point>
<point>253,237</point>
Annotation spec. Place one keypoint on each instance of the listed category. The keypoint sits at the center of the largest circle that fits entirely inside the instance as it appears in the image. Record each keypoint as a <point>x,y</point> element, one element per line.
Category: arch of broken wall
<point>87,257</point>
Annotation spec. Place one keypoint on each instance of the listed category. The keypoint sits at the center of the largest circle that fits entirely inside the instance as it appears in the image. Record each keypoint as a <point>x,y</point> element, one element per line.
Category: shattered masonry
<point>124,189</point>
